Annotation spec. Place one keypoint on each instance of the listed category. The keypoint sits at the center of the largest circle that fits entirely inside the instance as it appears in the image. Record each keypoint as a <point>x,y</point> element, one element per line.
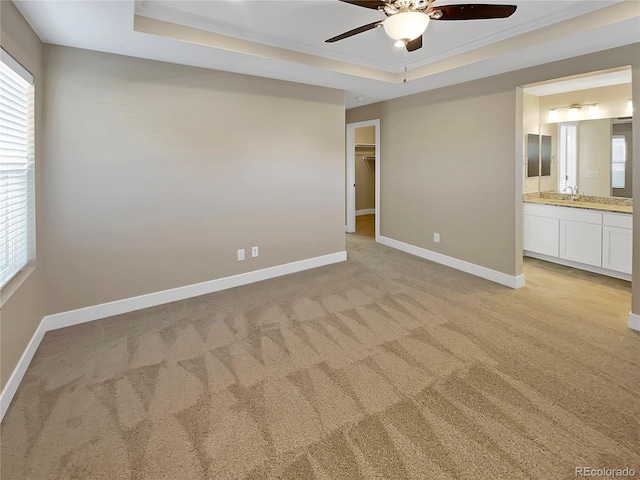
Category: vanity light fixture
<point>629,106</point>
<point>574,111</point>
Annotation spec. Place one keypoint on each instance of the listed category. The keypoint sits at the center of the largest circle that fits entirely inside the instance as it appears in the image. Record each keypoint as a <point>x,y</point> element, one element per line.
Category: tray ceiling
<point>285,39</point>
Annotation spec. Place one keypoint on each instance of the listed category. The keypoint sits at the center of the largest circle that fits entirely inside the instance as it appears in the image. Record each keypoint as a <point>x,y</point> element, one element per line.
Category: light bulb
<point>594,110</point>
<point>553,115</point>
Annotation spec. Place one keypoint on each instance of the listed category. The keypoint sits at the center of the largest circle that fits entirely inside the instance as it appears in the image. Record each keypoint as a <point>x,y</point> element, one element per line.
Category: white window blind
<point>618,160</point>
<point>16,167</point>
<point>568,156</point>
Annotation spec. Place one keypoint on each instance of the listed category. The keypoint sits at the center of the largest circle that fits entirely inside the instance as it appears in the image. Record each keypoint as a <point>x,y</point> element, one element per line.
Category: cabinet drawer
<point>550,211</point>
<point>564,213</point>
<point>621,220</point>
<point>580,215</point>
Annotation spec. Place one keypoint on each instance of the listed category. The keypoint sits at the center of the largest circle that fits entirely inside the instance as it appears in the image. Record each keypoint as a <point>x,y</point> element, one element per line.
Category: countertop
<point>577,204</point>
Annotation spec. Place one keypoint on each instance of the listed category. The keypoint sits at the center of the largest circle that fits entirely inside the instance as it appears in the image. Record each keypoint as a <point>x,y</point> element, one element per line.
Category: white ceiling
<point>367,65</point>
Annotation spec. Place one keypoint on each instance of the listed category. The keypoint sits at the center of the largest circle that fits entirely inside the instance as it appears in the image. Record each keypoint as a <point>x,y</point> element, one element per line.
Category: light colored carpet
<point>382,367</point>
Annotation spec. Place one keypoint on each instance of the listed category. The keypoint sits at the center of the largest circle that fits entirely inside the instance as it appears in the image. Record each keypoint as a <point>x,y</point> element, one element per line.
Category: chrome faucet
<point>572,190</point>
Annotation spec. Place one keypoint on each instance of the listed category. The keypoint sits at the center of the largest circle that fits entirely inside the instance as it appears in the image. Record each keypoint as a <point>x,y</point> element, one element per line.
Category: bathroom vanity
<point>589,233</point>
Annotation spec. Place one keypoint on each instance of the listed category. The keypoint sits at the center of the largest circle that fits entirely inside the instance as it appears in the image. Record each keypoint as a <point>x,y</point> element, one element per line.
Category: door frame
<point>351,174</point>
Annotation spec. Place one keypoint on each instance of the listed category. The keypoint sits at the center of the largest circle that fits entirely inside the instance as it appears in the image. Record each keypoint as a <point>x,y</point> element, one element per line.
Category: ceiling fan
<point>408,19</point>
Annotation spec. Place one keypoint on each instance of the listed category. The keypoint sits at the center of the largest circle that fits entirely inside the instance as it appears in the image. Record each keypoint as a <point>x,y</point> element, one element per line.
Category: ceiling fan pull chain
<point>405,67</point>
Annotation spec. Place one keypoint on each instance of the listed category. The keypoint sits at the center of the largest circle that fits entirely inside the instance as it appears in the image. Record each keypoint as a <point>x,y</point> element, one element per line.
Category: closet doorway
<point>363,178</point>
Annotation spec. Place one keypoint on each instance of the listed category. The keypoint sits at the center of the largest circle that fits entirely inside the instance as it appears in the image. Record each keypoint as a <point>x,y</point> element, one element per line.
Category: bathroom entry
<point>363,178</point>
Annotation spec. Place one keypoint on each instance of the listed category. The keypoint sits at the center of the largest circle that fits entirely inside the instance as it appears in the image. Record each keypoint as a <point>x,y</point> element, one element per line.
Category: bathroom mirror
<point>583,124</point>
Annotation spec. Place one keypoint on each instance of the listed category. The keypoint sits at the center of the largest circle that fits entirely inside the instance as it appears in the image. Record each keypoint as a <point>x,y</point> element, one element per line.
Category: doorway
<point>363,178</point>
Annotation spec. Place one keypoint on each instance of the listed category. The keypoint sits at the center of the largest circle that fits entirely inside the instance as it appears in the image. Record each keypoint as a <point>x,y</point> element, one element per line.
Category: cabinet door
<point>541,235</point>
<point>581,242</point>
<point>617,247</point>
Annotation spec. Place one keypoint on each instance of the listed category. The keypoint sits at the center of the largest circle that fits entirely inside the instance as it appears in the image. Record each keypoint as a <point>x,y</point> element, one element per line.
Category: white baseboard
<point>634,322</point>
<point>482,272</point>
<point>118,307</point>
<point>579,266</point>
<point>366,211</point>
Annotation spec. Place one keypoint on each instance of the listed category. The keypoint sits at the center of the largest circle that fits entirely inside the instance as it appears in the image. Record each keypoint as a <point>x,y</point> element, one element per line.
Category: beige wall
<point>158,173</point>
<point>22,311</point>
<point>364,113</point>
<point>451,170</point>
<point>365,168</point>
<point>594,155</point>
<point>458,166</point>
<point>530,124</point>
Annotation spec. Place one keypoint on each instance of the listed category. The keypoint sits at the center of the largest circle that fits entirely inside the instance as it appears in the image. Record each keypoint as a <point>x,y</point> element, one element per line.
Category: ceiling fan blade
<point>472,11</point>
<point>414,44</point>
<point>373,4</point>
<point>355,31</point>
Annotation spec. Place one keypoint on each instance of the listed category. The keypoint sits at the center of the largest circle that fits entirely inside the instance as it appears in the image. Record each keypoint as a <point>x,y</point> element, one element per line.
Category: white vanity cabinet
<point>617,242</point>
<point>541,235</point>
<point>582,238</point>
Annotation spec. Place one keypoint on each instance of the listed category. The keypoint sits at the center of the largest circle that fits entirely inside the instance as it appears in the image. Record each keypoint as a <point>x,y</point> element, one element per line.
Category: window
<point>618,161</point>
<point>568,156</point>
<point>16,167</point>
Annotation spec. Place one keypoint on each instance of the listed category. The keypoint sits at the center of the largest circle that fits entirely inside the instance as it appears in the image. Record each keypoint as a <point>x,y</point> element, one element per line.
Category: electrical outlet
<point>593,174</point>
<point>254,252</point>
<point>436,237</point>
<point>241,254</point>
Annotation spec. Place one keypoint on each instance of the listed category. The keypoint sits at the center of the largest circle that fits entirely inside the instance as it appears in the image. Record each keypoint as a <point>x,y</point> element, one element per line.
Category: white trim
<point>378,179</point>
<point>578,265</point>
<point>366,211</point>
<point>12,63</point>
<point>477,270</point>
<point>351,173</point>
<point>634,321</point>
<point>118,307</point>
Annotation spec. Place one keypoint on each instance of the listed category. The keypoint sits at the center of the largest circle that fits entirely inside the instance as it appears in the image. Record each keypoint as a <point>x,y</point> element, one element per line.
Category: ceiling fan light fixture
<point>406,26</point>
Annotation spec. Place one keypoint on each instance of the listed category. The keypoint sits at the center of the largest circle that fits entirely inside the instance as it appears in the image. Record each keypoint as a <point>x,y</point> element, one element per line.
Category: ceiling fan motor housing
<point>399,6</point>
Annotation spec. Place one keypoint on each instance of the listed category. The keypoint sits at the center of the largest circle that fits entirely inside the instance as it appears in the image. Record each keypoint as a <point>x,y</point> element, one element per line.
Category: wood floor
<point>366,225</point>
<point>578,291</point>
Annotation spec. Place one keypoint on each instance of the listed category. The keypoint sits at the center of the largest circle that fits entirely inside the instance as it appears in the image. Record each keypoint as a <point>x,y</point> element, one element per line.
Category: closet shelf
<point>365,145</point>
